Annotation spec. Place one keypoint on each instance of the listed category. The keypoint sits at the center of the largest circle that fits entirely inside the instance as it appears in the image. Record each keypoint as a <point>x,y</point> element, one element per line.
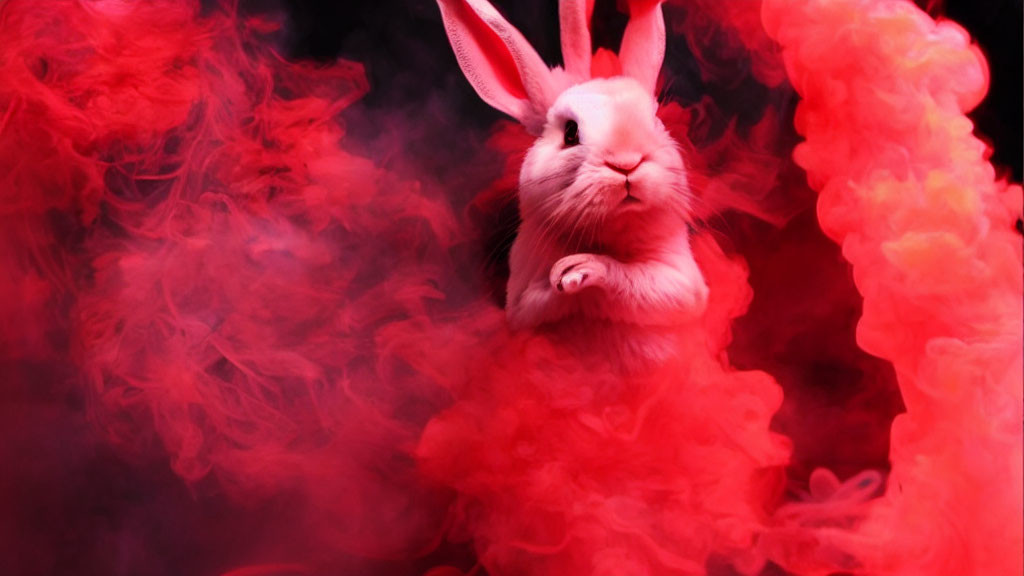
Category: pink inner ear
<point>643,43</point>
<point>577,44</point>
<point>605,64</point>
<point>488,47</point>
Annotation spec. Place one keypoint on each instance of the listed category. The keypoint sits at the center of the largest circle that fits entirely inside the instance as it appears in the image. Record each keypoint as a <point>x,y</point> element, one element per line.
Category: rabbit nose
<point>625,164</point>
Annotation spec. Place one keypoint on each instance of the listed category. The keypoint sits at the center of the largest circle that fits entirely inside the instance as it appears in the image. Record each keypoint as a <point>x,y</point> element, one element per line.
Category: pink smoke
<point>908,192</point>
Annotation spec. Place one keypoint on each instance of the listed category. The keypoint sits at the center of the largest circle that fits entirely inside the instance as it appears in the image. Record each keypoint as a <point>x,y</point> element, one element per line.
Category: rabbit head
<point>602,159</point>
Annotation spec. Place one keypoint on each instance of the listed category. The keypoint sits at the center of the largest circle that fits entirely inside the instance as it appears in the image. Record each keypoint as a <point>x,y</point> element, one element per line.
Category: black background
<point>399,40</point>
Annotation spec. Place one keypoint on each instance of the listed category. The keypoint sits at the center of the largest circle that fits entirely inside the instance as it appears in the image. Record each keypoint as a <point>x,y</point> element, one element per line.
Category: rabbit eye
<point>572,133</point>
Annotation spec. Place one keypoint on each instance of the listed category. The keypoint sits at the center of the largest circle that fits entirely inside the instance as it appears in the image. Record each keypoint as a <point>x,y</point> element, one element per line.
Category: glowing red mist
<point>198,274</point>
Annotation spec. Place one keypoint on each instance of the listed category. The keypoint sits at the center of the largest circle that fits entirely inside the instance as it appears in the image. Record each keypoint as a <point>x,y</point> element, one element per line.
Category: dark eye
<point>572,133</point>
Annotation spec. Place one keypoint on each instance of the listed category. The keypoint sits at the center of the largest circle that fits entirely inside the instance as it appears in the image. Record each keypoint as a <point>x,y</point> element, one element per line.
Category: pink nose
<point>624,164</point>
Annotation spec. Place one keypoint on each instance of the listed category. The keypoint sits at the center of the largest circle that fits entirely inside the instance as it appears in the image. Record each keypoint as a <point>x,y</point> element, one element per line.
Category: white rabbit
<point>603,253</point>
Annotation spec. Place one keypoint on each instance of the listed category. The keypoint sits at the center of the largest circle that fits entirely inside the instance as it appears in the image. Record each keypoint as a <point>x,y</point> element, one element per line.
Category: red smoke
<point>908,192</point>
<point>232,345</point>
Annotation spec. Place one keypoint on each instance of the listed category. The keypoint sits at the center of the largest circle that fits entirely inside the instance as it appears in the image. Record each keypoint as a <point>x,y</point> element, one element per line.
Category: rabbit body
<point>604,232</point>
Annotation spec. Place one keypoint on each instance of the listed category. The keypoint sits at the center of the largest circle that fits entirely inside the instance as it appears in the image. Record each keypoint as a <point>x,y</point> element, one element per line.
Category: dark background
<point>398,41</point>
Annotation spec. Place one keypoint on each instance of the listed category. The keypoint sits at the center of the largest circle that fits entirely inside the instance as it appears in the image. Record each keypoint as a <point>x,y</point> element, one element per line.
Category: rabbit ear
<point>501,65</point>
<point>643,43</point>
<point>574,17</point>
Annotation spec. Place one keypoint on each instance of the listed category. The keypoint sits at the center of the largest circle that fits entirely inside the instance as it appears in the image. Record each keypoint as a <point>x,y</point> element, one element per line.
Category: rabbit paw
<point>577,271</point>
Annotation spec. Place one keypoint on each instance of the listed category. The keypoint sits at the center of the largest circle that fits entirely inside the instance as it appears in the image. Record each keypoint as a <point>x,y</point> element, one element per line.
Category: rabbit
<point>602,255</point>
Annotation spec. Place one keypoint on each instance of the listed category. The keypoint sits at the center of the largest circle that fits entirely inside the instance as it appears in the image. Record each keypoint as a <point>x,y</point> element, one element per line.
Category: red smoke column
<point>908,192</point>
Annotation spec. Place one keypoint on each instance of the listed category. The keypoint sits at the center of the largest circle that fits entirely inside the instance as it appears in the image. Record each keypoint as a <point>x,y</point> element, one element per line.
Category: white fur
<point>603,254</point>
